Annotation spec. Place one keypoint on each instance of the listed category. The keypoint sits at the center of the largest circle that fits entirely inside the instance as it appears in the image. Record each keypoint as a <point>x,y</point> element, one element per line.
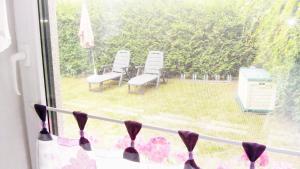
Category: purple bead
<point>43,124</point>
<point>81,133</point>
<point>191,156</point>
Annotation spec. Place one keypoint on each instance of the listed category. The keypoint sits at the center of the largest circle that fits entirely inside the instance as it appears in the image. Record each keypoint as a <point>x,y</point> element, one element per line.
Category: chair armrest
<point>163,74</point>
<point>125,68</point>
<point>139,69</point>
<point>162,71</point>
<point>105,68</point>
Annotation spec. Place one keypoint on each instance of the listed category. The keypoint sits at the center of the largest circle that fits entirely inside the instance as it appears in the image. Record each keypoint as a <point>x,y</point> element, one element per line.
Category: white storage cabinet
<point>256,91</point>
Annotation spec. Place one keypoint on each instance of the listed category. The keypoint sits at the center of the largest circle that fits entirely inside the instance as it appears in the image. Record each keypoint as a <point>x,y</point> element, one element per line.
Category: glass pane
<point>230,69</point>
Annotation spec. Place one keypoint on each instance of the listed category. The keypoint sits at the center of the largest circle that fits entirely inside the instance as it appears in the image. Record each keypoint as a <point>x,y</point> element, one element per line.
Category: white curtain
<point>63,153</point>
<point>5,39</point>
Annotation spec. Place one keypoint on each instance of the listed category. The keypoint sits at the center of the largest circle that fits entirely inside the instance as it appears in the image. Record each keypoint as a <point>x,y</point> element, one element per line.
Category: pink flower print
<point>93,140</point>
<point>262,161</point>
<point>145,149</point>
<point>68,142</point>
<point>222,166</point>
<point>157,149</point>
<point>181,157</point>
<point>123,142</point>
<point>82,161</point>
<point>244,157</point>
<point>126,142</point>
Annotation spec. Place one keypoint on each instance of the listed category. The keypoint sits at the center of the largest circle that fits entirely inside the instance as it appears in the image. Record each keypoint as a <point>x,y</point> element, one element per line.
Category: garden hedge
<point>203,37</point>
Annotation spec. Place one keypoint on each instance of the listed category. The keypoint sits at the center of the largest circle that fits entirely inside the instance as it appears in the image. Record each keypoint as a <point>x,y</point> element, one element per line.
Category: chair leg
<point>141,90</point>
<point>101,86</point>
<point>164,79</point>
<point>128,88</point>
<point>157,82</point>
<point>121,79</point>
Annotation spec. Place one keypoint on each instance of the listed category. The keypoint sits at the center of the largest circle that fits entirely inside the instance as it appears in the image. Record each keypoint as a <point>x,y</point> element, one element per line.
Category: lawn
<point>205,107</point>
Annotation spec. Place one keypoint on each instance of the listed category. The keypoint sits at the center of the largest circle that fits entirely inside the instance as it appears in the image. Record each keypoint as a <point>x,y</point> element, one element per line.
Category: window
<point>229,69</point>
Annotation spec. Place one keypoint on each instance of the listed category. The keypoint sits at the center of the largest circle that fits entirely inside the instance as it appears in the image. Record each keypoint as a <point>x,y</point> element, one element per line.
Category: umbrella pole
<point>93,60</point>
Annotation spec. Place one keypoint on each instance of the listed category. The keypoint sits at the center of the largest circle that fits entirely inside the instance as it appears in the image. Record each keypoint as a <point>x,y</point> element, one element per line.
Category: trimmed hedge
<point>278,49</point>
<point>196,37</point>
<point>203,37</point>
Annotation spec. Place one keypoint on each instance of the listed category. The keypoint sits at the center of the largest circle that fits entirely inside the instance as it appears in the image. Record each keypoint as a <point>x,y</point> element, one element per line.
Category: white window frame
<point>32,78</point>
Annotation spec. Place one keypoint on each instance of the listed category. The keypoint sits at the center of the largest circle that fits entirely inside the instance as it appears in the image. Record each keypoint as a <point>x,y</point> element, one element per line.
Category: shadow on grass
<point>141,90</point>
<point>109,85</point>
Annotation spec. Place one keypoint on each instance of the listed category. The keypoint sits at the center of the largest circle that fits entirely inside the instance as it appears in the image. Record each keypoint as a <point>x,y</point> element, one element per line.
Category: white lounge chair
<point>152,71</point>
<point>118,70</point>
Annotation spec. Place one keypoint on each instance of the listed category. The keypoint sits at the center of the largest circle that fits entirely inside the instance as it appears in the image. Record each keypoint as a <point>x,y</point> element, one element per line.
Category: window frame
<point>45,35</point>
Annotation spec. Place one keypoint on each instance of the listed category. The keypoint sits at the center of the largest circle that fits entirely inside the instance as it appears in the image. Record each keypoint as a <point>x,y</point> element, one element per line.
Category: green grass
<point>205,107</point>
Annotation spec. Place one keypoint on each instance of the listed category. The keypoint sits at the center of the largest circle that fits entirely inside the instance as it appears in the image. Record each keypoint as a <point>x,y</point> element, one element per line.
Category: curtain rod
<point>201,136</point>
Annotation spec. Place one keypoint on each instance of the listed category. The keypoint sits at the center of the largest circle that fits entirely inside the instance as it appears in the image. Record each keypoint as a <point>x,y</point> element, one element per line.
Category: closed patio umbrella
<point>86,33</point>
